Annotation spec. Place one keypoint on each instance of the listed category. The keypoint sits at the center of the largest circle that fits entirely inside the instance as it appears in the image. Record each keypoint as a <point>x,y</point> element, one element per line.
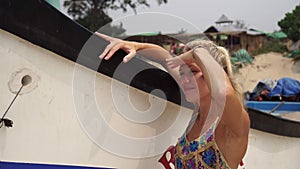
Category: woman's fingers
<point>111,49</point>
<point>105,37</point>
<point>174,62</point>
<point>104,53</point>
<point>186,57</point>
<point>108,49</point>
<point>114,46</point>
<point>129,56</point>
<point>180,60</point>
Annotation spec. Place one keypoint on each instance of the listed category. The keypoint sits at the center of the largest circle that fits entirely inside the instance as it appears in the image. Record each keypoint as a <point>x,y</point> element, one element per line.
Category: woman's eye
<point>188,73</point>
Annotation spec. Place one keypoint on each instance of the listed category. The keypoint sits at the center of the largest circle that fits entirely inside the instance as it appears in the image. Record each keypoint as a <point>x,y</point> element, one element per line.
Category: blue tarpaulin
<point>286,87</point>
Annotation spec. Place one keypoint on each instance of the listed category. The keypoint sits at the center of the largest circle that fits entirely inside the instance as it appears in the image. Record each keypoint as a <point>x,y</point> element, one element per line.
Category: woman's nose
<point>185,79</point>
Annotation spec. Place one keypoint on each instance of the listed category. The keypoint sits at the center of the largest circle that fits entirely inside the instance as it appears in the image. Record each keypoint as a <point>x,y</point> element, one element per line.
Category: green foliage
<point>94,20</point>
<point>75,7</point>
<point>271,45</point>
<point>290,24</point>
<point>92,14</point>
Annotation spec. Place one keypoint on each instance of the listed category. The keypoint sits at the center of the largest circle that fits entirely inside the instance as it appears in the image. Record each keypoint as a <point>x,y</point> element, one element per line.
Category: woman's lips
<point>188,88</point>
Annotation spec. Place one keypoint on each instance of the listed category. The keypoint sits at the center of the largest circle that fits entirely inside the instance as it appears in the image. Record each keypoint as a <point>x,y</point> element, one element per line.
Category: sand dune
<point>271,65</point>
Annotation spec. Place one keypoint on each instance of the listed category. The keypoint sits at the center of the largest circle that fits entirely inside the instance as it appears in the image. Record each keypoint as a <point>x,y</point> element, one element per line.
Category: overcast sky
<point>198,15</point>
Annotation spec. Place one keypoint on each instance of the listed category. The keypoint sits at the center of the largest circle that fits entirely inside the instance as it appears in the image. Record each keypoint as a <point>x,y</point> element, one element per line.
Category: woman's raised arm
<point>149,51</point>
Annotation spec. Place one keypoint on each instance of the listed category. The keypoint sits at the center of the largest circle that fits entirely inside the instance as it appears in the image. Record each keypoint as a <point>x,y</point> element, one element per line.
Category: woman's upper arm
<point>234,115</point>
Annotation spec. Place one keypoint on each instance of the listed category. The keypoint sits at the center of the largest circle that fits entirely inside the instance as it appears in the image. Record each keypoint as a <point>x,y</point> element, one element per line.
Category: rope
<point>2,119</point>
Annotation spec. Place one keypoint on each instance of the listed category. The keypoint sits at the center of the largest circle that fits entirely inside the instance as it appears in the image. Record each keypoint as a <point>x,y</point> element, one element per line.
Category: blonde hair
<point>221,55</point>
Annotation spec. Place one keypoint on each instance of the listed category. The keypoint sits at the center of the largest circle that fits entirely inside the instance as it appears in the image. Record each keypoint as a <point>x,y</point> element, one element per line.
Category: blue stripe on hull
<point>267,106</point>
<point>15,165</point>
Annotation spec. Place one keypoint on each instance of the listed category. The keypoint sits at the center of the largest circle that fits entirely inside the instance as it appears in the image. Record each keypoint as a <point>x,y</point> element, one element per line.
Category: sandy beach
<point>271,65</point>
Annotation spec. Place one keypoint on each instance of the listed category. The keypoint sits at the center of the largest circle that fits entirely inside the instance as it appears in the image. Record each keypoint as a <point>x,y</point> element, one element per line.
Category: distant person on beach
<point>172,48</point>
<point>217,135</point>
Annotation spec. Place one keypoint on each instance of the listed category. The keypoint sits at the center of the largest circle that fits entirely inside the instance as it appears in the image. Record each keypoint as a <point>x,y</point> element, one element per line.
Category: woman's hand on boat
<point>115,45</point>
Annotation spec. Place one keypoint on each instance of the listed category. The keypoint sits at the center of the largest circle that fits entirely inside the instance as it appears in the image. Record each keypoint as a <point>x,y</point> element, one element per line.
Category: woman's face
<point>192,82</point>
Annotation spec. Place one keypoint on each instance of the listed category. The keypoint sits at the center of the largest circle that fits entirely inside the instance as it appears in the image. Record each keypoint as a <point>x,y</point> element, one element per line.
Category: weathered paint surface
<point>47,130</point>
<point>46,127</point>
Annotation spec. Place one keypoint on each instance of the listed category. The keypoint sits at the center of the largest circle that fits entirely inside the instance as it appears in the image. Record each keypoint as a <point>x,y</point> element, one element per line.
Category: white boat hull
<point>47,129</point>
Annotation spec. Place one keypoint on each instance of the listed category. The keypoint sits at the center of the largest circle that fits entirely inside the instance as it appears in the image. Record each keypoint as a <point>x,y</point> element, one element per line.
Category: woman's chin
<point>191,99</point>
<point>190,96</point>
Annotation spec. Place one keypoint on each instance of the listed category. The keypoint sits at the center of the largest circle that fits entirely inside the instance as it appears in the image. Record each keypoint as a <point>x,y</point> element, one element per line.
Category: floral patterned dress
<point>201,153</point>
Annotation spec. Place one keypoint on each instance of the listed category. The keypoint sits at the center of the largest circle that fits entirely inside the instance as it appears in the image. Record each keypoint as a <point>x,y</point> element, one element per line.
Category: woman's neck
<point>204,112</point>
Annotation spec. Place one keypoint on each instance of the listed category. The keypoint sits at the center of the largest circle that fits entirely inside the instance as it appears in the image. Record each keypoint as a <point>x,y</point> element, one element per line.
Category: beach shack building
<point>165,39</point>
<point>226,34</point>
<point>150,37</point>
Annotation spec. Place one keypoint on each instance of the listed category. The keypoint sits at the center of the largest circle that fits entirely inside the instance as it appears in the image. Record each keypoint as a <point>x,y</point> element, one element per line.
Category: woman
<point>217,135</point>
